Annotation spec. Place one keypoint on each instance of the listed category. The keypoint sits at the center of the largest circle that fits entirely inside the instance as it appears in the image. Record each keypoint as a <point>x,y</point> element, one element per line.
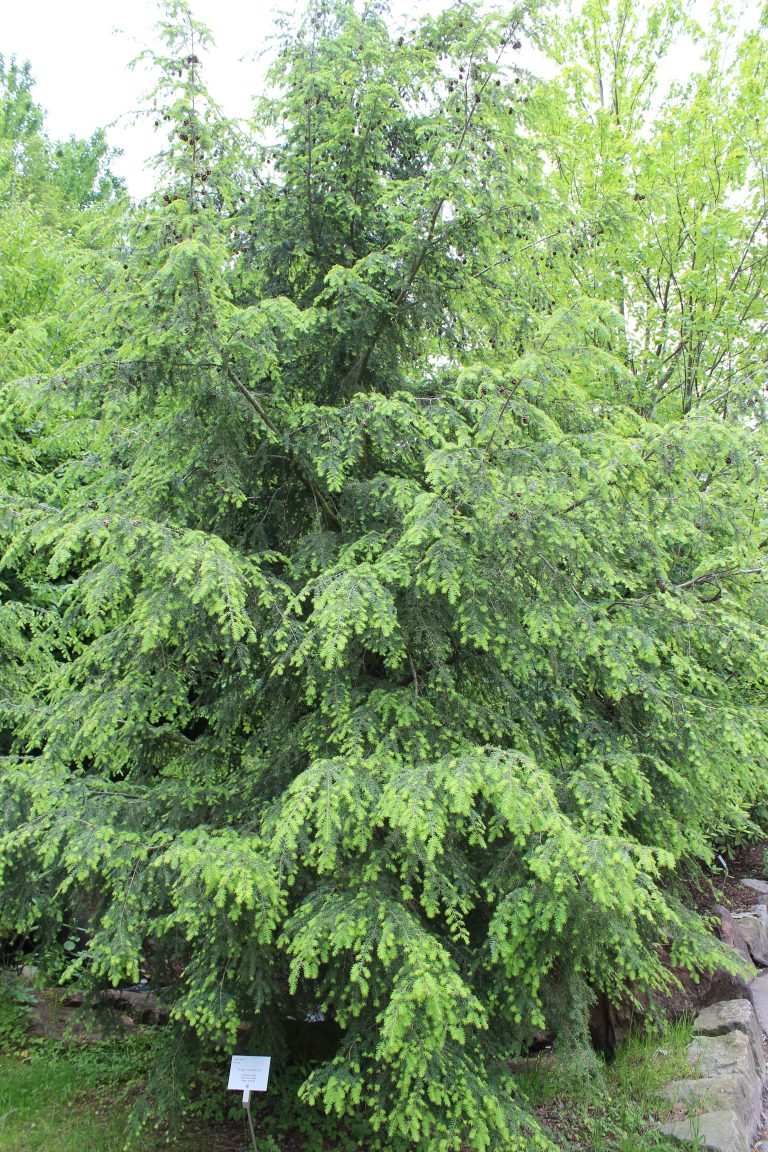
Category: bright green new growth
<point>383,600</point>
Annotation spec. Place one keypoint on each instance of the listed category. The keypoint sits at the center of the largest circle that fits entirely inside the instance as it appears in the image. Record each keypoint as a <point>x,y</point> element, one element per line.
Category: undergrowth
<point>104,1094</point>
<point>16,1002</point>
<point>610,1108</point>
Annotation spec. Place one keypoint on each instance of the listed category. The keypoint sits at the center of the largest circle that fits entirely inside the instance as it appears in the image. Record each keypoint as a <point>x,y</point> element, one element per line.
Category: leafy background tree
<point>385,597</point>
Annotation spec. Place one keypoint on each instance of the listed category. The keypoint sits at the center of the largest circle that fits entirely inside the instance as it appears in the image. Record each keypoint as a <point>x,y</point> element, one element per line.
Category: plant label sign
<point>249,1073</point>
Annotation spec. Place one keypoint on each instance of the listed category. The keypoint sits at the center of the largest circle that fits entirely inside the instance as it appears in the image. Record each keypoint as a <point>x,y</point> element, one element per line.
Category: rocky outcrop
<point>723,1097</point>
<point>730,933</point>
<point>718,1130</point>
<point>733,1016</point>
<point>725,1090</point>
<point>753,927</point>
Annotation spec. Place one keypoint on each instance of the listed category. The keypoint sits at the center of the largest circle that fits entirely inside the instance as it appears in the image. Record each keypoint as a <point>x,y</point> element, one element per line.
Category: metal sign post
<point>249,1073</point>
<point>247,1105</point>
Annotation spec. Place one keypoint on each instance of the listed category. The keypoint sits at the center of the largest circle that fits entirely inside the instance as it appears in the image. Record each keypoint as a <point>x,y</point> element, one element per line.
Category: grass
<point>83,1094</point>
<point>45,1106</point>
<point>610,1108</point>
<point>60,1095</point>
<point>65,1098</point>
<point>56,1097</point>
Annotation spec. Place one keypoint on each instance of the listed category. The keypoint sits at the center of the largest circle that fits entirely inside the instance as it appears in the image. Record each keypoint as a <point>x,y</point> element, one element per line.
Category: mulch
<point>723,884</point>
<point>746,863</point>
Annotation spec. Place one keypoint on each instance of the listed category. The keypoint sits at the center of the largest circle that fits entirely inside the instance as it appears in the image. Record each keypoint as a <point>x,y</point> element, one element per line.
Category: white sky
<point>80,62</point>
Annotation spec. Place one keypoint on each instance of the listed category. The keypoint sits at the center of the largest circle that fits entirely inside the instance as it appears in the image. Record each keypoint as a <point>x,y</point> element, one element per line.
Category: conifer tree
<point>395,653</point>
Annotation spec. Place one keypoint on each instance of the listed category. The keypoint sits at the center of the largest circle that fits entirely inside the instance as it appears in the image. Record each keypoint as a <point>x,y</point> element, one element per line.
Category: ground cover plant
<point>85,1083</point>
<point>59,1094</point>
<point>383,597</point>
<point>610,1108</point>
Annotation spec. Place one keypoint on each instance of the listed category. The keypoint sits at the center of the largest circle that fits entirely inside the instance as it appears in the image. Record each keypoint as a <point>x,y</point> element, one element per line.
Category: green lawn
<point>55,1101</point>
<point>45,1105</point>
<point>66,1085</point>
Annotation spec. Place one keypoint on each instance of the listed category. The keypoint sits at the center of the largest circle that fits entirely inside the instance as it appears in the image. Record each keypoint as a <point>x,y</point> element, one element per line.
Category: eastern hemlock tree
<point>397,652</point>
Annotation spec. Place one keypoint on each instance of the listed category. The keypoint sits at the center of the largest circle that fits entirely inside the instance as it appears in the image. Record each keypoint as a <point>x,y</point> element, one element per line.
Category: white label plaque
<point>250,1072</point>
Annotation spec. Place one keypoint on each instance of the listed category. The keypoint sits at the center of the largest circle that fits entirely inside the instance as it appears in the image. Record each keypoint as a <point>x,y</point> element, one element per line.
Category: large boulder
<point>725,1090</point>
<point>753,926</point>
<point>729,1092</point>
<point>733,1016</point>
<point>730,933</point>
<point>720,1131</point>
<point>715,987</point>
<point>759,990</point>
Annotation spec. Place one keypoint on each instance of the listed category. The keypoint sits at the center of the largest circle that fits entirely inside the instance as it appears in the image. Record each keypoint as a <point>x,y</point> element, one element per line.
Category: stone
<point>725,1079</point>
<point>733,1016</point>
<point>720,1131</point>
<point>710,988</point>
<point>727,1055</point>
<point>689,994</point>
<point>723,985</point>
<point>724,1094</point>
<point>73,1000</point>
<point>601,1033</point>
<point>731,1093</point>
<point>753,926</point>
<point>760,886</point>
<point>730,933</point>
<point>759,990</point>
<point>142,1006</point>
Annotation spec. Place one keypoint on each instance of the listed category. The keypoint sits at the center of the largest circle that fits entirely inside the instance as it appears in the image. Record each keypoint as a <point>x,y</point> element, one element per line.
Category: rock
<point>720,1131</point>
<point>142,1006</point>
<point>626,1017</point>
<point>753,926</point>
<point>689,994</point>
<point>722,985</point>
<point>727,1060</point>
<point>733,1016</point>
<point>73,1000</point>
<point>728,1093</point>
<point>760,886</point>
<point>759,990</point>
<point>727,1055</point>
<point>710,988</point>
<point>730,933</point>
<point>727,1077</point>
<point>601,1031</point>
